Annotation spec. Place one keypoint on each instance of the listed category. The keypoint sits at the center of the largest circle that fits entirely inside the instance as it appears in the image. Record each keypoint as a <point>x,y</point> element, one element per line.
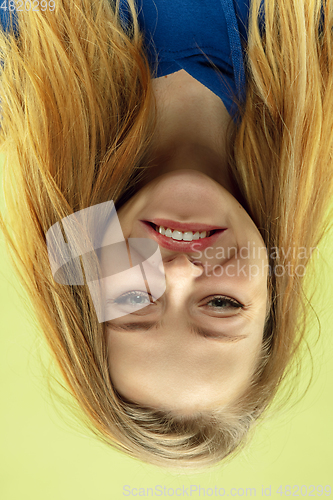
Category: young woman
<point>185,136</point>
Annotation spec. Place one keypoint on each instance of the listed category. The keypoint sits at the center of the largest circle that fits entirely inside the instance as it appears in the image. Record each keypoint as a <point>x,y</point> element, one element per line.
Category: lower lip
<point>181,246</point>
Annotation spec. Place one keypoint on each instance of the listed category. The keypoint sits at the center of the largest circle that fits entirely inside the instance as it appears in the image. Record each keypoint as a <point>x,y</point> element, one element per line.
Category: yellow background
<point>43,458</point>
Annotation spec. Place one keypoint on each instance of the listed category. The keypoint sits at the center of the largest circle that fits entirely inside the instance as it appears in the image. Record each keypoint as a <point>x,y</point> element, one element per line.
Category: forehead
<point>198,374</point>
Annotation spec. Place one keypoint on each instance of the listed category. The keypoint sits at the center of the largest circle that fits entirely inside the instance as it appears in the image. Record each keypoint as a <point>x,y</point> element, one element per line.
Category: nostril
<point>194,261</point>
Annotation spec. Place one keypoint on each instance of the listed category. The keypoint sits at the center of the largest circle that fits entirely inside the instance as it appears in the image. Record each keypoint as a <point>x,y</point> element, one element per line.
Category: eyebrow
<point>202,332</point>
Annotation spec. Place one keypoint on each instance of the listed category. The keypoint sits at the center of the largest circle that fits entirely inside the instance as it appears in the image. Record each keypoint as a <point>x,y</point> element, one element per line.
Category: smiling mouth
<point>178,235</point>
<point>178,244</point>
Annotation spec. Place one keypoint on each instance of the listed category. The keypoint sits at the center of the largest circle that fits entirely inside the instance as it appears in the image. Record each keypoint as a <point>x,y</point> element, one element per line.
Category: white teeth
<point>189,236</point>
<point>179,235</point>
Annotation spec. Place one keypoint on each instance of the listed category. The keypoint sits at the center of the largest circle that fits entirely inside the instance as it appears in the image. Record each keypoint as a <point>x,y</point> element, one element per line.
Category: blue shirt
<point>183,31</point>
<point>206,38</point>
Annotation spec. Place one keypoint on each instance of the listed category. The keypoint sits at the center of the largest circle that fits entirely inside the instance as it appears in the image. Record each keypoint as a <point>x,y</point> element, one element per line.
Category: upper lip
<point>182,226</point>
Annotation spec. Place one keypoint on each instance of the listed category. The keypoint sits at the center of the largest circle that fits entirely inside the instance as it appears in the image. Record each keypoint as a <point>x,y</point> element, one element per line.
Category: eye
<point>133,298</point>
<point>220,303</point>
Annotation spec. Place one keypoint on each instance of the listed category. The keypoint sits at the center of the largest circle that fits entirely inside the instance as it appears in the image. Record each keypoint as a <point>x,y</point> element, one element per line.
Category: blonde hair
<point>78,117</point>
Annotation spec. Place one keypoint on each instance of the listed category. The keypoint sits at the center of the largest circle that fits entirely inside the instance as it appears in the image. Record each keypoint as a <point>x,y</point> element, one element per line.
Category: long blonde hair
<point>78,116</point>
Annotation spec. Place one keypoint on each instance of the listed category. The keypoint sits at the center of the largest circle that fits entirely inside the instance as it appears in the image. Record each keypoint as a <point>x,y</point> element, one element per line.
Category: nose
<point>182,264</point>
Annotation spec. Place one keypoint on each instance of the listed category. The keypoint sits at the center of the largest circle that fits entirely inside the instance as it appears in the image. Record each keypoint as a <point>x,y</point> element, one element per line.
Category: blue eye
<point>133,298</point>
